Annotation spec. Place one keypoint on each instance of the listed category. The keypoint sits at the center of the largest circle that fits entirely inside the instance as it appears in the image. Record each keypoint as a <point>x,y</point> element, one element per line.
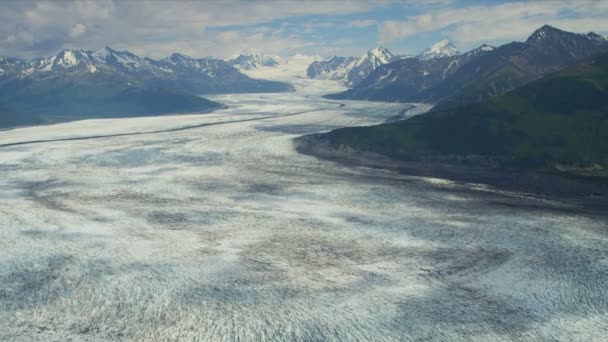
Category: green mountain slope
<point>558,123</point>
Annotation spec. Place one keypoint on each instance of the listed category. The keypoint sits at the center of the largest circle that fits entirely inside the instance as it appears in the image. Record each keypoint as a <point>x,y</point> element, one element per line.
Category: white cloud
<point>151,26</point>
<point>78,30</point>
<point>507,21</point>
<point>22,37</point>
<point>155,28</point>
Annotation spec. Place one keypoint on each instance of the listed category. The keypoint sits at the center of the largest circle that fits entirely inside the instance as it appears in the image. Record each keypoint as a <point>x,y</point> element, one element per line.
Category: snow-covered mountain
<point>368,63</point>
<point>252,61</point>
<point>486,71</point>
<point>72,61</point>
<point>556,42</point>
<point>350,70</point>
<point>332,68</point>
<point>442,48</point>
<point>353,70</point>
<point>179,72</point>
<point>79,84</point>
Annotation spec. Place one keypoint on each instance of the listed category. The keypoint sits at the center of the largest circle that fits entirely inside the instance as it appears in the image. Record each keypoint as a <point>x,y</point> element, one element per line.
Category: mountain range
<point>477,74</point>
<point>252,61</point>
<point>350,70</point>
<point>178,72</point>
<point>77,84</point>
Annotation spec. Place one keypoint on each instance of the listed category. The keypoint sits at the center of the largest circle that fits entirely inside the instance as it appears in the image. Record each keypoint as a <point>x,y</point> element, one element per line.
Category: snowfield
<point>212,228</point>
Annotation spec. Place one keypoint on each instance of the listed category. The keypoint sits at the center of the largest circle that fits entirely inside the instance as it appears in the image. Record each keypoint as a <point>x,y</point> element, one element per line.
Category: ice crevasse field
<point>212,227</point>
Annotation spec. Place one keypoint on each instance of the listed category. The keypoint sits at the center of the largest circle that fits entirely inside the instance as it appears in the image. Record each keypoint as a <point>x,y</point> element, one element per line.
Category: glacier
<point>213,228</point>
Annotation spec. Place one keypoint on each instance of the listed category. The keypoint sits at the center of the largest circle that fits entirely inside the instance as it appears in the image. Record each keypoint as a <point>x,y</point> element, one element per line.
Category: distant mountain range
<point>177,72</point>
<point>353,70</point>
<point>350,70</point>
<point>451,79</point>
<point>77,84</point>
<point>252,61</point>
<point>413,78</point>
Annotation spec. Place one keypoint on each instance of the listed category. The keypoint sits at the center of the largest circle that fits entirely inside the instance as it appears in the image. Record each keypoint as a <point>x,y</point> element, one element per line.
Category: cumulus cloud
<point>78,30</point>
<point>32,28</point>
<point>149,27</point>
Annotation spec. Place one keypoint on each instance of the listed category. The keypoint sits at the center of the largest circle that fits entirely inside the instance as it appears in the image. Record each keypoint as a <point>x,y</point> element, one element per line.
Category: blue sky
<point>222,28</point>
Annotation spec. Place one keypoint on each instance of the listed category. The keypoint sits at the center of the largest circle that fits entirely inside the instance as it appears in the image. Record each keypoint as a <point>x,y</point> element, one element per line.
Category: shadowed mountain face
<point>478,74</point>
<point>100,95</point>
<point>558,124</point>
<point>78,84</point>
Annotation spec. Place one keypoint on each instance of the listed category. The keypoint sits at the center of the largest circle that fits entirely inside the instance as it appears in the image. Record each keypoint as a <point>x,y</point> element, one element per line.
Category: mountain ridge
<point>350,70</point>
<point>252,61</point>
<point>201,76</point>
<point>477,74</point>
<point>80,84</point>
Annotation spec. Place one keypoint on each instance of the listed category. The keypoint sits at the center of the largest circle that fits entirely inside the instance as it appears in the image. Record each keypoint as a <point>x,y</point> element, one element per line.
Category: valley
<point>303,171</point>
<point>212,227</point>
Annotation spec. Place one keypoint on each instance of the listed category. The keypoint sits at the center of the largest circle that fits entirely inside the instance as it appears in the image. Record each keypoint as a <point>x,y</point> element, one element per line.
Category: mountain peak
<point>547,33</point>
<point>178,58</point>
<point>595,36</point>
<point>71,52</point>
<point>177,55</point>
<point>441,44</point>
<point>380,53</point>
<point>108,52</point>
<point>548,27</point>
<point>486,47</point>
<point>443,48</point>
<point>71,57</point>
<point>249,61</point>
<point>377,49</point>
<point>543,32</point>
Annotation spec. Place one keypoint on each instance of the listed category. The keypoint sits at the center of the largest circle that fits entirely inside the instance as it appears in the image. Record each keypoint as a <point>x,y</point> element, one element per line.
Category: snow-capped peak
<point>596,37</point>
<point>486,47</point>
<point>69,58</point>
<point>178,57</point>
<point>543,32</point>
<point>123,59</point>
<point>383,55</point>
<point>483,48</point>
<point>252,61</point>
<point>374,58</point>
<point>442,48</point>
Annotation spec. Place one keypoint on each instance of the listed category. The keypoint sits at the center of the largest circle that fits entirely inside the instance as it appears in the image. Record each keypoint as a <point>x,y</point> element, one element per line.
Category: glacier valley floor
<point>213,228</point>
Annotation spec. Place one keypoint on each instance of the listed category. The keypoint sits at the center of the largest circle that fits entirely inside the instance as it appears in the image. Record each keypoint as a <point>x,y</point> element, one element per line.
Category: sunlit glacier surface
<point>212,228</point>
